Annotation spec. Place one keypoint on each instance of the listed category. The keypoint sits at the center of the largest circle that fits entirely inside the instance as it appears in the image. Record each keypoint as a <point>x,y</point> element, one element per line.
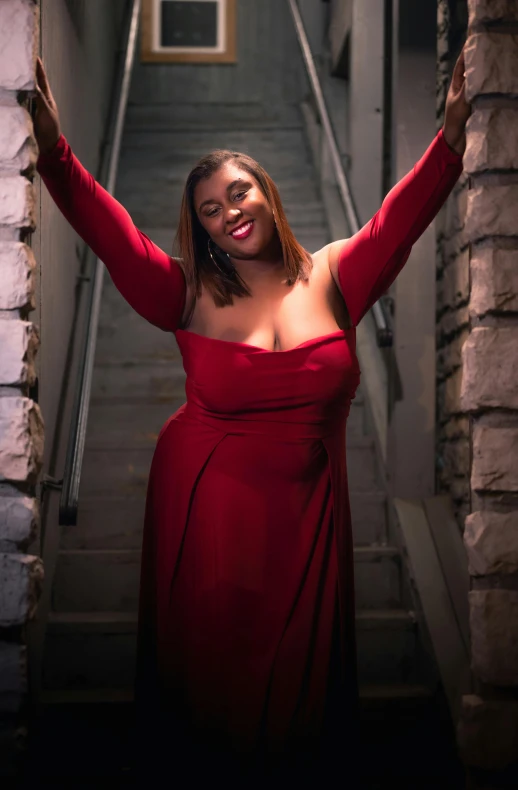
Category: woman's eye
<point>237,196</point>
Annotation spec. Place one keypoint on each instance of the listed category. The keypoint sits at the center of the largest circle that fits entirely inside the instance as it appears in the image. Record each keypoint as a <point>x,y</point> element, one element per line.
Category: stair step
<point>116,523</point>
<point>370,695</point>
<point>362,470</point>
<point>116,475</point>
<point>145,383</point>
<point>387,647</point>
<point>386,619</point>
<point>97,649</point>
<point>191,117</point>
<point>89,696</point>
<point>128,426</point>
<point>76,658</point>
<point>106,523</point>
<point>377,577</point>
<point>375,693</point>
<point>108,579</point>
<point>152,150</point>
<point>356,419</point>
<point>96,580</point>
<point>108,621</point>
<point>369,517</point>
<point>92,622</point>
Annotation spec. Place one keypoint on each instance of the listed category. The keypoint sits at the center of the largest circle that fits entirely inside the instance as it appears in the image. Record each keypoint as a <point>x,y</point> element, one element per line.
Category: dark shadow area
<point>86,743</point>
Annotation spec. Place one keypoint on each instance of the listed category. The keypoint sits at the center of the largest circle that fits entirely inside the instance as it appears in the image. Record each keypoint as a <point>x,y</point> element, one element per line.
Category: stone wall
<point>453,287</point>
<point>479,397</point>
<point>21,425</point>
<point>41,261</point>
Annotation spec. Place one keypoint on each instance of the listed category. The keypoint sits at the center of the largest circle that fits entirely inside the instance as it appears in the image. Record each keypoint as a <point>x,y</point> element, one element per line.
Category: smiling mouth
<point>243,231</point>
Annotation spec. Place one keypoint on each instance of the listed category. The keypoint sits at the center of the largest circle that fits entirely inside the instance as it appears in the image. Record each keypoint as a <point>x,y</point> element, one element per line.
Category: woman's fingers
<point>41,98</point>
<point>458,72</point>
<point>42,79</point>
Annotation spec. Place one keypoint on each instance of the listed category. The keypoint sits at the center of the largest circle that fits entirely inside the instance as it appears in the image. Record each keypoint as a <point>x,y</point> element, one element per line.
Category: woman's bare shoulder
<point>189,293</point>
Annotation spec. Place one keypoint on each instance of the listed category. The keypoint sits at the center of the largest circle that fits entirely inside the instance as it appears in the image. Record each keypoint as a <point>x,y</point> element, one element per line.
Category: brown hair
<point>192,239</point>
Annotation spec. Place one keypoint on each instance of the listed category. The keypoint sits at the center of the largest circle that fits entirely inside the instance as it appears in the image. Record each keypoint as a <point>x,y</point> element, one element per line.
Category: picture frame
<point>188,31</point>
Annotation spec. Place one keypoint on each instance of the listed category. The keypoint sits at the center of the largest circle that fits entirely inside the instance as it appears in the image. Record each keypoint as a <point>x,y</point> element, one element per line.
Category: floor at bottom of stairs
<point>83,743</point>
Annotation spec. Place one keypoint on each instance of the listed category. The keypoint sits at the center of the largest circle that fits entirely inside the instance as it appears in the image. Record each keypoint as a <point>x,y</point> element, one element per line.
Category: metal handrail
<point>77,437</point>
<point>379,311</point>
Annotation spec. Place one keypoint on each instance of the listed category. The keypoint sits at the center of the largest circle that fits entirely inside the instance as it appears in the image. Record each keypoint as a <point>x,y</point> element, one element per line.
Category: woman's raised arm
<point>151,281</point>
<point>366,264</point>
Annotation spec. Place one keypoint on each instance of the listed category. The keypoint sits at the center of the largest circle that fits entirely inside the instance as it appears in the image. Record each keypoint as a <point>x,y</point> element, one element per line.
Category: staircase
<point>138,382</point>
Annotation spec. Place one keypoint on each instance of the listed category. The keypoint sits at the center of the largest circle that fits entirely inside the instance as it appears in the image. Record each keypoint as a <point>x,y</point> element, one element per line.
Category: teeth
<point>242,229</point>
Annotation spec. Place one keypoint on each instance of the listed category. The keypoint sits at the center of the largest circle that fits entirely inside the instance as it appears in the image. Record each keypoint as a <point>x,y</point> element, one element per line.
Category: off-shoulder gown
<point>246,640</point>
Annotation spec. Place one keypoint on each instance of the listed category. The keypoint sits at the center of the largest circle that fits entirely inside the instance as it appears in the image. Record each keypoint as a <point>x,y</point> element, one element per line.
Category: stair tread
<point>93,617</point>
<point>100,618</point>
<point>359,441</point>
<point>385,691</point>
<point>85,696</point>
<point>101,552</point>
<point>376,550</point>
<point>90,500</point>
<point>369,618</point>
<point>92,622</point>
<point>368,692</point>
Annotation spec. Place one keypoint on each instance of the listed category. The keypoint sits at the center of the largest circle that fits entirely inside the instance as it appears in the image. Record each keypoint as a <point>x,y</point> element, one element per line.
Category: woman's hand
<point>457,109</point>
<point>47,129</point>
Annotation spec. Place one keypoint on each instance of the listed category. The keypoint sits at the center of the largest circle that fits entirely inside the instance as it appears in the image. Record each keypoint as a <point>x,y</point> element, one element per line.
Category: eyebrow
<point>229,188</point>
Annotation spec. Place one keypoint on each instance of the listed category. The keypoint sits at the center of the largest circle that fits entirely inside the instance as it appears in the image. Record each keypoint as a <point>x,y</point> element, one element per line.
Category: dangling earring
<point>214,261</point>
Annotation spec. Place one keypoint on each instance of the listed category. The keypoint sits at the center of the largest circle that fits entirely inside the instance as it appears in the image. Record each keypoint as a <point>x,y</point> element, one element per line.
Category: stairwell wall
<point>39,263</point>
<point>268,69</point>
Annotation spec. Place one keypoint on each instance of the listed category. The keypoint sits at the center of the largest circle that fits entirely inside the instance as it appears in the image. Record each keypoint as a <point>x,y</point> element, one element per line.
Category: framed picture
<point>188,31</point>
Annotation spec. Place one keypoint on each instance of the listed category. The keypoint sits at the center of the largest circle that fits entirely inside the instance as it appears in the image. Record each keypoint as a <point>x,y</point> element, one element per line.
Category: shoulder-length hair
<point>191,241</point>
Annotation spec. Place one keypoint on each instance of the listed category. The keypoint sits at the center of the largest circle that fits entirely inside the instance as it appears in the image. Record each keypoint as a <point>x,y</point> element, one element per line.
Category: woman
<point>246,621</point>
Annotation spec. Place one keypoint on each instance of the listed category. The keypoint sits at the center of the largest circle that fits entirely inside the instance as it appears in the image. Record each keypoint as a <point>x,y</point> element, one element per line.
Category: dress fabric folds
<point>246,644</point>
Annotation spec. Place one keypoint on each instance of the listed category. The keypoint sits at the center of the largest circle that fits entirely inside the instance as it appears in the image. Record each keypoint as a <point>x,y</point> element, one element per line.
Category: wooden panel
<point>447,639</point>
<point>452,556</point>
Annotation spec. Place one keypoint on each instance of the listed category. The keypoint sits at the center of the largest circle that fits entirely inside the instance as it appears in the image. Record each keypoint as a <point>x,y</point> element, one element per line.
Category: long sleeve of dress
<point>151,281</point>
<point>370,260</point>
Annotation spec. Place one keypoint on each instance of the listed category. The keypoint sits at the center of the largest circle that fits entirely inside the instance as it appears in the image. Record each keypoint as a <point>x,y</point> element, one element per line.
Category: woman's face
<point>235,213</point>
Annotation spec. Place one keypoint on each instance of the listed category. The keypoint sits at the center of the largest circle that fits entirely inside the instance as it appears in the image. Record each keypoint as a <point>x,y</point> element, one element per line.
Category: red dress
<point>246,622</point>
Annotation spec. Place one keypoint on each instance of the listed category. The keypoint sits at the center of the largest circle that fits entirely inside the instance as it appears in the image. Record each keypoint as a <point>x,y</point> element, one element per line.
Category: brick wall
<point>478,385</point>
<point>453,287</point>
<point>21,425</point>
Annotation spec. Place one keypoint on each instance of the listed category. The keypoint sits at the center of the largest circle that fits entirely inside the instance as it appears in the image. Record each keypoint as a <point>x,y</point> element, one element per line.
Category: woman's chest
<point>276,318</point>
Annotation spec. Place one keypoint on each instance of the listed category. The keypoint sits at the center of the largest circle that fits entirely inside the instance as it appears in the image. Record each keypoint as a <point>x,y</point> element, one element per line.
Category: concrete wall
<point>78,50</point>
<point>39,264</point>
<point>411,435</point>
<point>266,47</point>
